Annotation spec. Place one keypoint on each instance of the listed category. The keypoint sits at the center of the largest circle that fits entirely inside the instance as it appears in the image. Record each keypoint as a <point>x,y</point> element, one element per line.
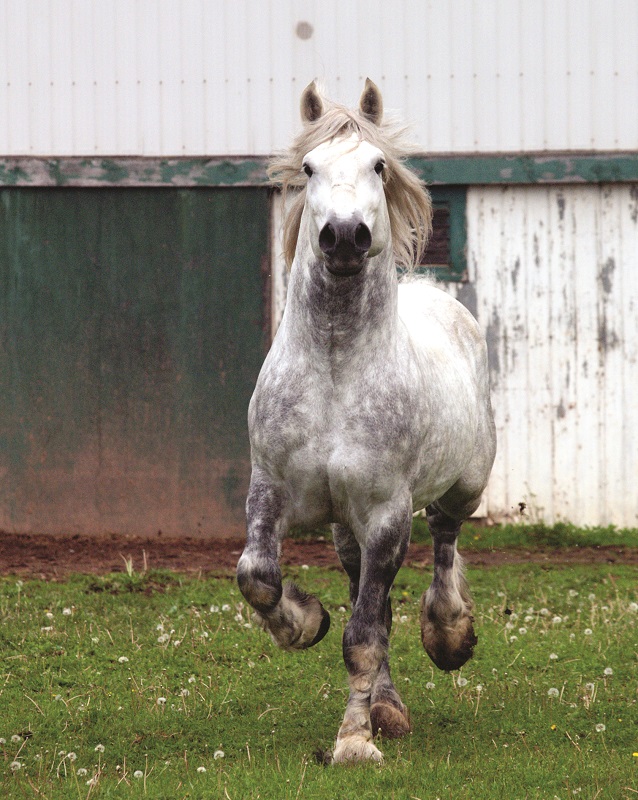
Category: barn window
<point>446,252</point>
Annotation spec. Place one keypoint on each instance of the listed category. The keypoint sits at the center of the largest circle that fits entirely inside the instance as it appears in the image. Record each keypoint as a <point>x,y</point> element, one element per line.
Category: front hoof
<point>389,720</point>
<point>355,749</point>
<point>449,646</point>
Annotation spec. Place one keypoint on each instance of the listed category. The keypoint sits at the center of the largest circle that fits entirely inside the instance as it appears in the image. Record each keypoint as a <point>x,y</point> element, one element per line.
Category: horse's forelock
<point>409,204</point>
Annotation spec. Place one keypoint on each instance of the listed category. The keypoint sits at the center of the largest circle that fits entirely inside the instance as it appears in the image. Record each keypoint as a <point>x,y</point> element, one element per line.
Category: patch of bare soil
<point>55,557</point>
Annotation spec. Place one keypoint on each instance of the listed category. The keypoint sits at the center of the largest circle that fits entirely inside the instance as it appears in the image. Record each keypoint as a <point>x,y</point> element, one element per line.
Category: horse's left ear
<point>371,102</point>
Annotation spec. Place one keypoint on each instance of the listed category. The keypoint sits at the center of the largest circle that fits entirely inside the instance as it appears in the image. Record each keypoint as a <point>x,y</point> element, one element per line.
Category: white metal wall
<point>216,77</point>
<point>556,276</point>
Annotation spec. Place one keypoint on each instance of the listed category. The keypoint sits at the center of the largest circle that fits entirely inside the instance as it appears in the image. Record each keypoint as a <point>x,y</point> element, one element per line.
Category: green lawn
<point>158,686</point>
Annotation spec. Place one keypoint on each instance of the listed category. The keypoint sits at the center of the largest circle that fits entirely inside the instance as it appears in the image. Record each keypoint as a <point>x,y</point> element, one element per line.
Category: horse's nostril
<point>362,238</point>
<point>327,239</point>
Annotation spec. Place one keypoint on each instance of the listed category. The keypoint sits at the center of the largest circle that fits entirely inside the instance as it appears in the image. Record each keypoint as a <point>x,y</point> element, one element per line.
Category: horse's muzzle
<point>345,245</point>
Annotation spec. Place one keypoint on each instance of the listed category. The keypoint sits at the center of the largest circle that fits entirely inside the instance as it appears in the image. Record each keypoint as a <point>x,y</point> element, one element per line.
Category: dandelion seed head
<point>462,682</point>
<point>184,693</point>
<point>138,773</point>
<point>81,772</point>
<point>513,638</point>
<point>218,754</point>
<point>163,638</point>
<point>16,738</point>
<point>123,660</point>
<point>161,701</point>
<point>633,607</point>
<point>553,656</point>
<point>557,620</point>
<point>608,671</point>
<point>14,766</point>
<point>99,748</point>
<point>72,756</point>
<point>201,769</point>
<point>2,740</point>
<point>67,612</point>
<point>522,631</point>
<point>544,612</point>
<point>430,685</point>
<point>214,609</point>
<point>600,728</point>
<point>192,679</point>
<point>225,607</point>
<point>553,692</point>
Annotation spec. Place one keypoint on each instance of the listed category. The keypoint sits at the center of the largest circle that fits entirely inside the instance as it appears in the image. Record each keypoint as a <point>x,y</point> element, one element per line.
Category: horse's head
<point>345,199</point>
<point>356,195</point>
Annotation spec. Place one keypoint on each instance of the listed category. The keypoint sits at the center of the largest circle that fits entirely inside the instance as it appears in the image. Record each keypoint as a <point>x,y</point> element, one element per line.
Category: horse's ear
<point>311,103</point>
<point>371,102</point>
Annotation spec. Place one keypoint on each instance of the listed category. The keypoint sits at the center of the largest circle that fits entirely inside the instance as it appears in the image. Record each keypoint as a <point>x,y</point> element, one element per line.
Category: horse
<point>372,403</point>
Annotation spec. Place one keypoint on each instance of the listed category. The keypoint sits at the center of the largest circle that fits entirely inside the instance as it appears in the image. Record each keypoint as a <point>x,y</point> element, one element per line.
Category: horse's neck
<point>343,317</point>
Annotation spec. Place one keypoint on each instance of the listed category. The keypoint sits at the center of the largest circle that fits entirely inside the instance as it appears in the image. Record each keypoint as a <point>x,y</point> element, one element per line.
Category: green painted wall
<point>131,333</point>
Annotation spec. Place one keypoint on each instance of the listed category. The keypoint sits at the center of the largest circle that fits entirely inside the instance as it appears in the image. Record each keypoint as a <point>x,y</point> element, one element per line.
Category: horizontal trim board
<point>205,171</point>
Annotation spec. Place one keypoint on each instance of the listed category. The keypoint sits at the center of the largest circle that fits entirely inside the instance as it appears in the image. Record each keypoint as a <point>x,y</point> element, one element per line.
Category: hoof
<point>449,647</point>
<point>389,720</point>
<point>355,749</point>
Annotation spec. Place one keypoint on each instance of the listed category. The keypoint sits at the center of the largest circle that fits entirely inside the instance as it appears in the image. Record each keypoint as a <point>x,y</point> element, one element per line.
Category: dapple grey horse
<point>373,402</point>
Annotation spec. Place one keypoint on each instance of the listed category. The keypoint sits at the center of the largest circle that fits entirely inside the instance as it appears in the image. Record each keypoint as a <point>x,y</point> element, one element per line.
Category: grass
<point>150,685</point>
<point>521,535</point>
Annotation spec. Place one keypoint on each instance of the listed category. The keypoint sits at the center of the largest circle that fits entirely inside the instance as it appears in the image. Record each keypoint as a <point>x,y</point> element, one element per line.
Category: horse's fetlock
<point>260,583</point>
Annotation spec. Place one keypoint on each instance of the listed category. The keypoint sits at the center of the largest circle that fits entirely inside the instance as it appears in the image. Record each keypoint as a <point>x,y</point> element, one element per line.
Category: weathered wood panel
<point>555,274</point>
<point>132,329</point>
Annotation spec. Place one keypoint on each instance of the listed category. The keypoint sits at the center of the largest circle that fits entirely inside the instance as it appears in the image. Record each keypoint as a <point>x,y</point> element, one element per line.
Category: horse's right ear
<point>311,103</point>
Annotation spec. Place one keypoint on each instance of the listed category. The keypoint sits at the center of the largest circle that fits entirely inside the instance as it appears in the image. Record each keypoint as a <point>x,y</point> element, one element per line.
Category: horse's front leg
<point>294,619</point>
<point>365,639</point>
<point>388,714</point>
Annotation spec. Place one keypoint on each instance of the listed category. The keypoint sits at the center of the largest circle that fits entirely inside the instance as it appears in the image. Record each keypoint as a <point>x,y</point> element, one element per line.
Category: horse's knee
<point>259,580</point>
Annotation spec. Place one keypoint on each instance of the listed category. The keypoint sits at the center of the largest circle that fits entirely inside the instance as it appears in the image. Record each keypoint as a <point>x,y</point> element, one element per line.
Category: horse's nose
<point>345,241</point>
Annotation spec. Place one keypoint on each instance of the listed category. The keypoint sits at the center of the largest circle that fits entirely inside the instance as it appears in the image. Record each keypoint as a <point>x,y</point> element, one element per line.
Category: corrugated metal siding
<point>223,77</point>
<point>555,273</point>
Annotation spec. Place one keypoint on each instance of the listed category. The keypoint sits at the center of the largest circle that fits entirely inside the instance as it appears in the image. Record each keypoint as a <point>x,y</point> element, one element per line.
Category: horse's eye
<point>307,170</point>
<point>379,167</point>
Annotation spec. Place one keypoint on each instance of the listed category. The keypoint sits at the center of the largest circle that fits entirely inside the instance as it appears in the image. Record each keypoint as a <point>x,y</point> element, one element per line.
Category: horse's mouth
<point>342,268</point>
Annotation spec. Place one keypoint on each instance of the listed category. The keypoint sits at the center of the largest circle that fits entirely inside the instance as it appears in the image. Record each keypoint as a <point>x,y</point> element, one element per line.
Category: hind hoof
<point>389,720</point>
<point>449,648</point>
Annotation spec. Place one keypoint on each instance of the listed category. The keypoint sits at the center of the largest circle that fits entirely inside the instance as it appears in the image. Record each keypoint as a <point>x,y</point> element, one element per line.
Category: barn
<point>141,277</point>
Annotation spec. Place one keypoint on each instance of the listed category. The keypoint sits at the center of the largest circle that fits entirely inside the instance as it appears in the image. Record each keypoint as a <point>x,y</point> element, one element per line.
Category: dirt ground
<point>54,557</point>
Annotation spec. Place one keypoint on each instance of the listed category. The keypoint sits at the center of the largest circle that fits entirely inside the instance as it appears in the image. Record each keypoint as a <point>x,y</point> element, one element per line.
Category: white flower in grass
<point>14,766</point>
<point>633,607</point>
<point>67,612</point>
<point>16,738</point>
<point>177,642</point>
<point>430,685</point>
<point>572,593</point>
<point>46,628</point>
<point>591,597</point>
<point>72,756</point>
<point>553,692</point>
<point>48,614</point>
<point>305,566</point>
<point>95,639</point>
<point>342,609</point>
<point>123,660</point>
<point>557,620</point>
<point>600,728</point>
<point>138,773</point>
<point>403,618</point>
<point>479,687</point>
<point>462,682</point>
<point>522,631</point>
<point>553,656</point>
<point>184,693</point>
<point>513,638</point>
<point>218,754</point>
<point>3,741</point>
<point>99,748</point>
<point>588,631</point>
<point>192,679</point>
<point>163,638</point>
<point>92,781</point>
<point>608,671</point>
<point>590,687</point>
<point>214,609</point>
<point>544,612</point>
<point>201,769</point>
<point>225,607</point>
<point>81,772</point>
<point>161,701</point>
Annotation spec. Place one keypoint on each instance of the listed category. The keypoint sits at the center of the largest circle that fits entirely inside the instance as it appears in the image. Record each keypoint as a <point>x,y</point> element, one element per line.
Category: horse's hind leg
<point>447,631</point>
<point>294,619</point>
<point>388,714</point>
